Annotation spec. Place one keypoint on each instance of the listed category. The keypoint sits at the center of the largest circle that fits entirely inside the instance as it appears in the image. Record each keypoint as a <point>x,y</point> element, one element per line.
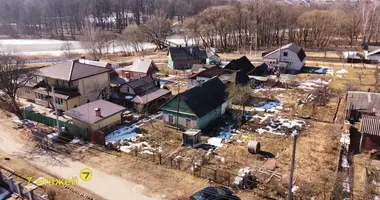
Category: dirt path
<point>102,184</point>
<point>359,164</point>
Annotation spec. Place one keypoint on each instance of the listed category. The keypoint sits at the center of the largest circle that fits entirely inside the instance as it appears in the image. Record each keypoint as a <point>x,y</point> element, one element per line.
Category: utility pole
<point>55,108</point>
<point>178,99</point>
<point>290,193</point>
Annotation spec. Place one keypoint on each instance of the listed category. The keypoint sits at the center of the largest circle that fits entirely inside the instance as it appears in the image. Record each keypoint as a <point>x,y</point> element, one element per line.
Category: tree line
<point>225,24</point>
<point>61,18</point>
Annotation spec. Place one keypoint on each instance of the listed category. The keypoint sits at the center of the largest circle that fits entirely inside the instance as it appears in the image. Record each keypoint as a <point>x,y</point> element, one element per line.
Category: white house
<point>291,56</point>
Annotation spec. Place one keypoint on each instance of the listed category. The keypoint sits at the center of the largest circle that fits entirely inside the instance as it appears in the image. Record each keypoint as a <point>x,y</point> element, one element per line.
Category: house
<point>74,84</point>
<point>362,103</point>
<point>140,68</point>
<point>97,115</point>
<point>370,129</point>
<point>27,91</point>
<point>291,55</point>
<point>198,106</point>
<point>206,75</point>
<point>242,64</point>
<point>143,91</point>
<point>185,57</point>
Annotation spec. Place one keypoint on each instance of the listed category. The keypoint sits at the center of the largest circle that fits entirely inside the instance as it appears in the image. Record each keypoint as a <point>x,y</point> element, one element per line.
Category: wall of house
<point>107,122</point>
<point>371,141</point>
<point>135,75</point>
<point>90,88</point>
<point>182,118</point>
<point>208,118</point>
<point>225,106</point>
<point>45,103</point>
<point>26,93</point>
<point>71,103</point>
<point>184,64</point>
<point>292,59</point>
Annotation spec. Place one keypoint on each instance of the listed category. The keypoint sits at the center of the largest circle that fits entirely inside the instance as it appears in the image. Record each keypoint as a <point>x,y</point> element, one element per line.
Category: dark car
<point>214,193</point>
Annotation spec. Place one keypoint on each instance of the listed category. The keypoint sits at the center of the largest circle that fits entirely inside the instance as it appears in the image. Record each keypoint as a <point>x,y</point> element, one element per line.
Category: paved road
<point>105,185</point>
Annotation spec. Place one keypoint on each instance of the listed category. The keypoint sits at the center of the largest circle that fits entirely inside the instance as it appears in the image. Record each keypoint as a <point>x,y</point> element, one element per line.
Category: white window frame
<point>58,101</point>
<point>171,119</point>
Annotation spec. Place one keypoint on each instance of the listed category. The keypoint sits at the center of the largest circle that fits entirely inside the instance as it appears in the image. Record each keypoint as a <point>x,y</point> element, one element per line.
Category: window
<point>285,54</point>
<point>41,96</point>
<point>188,121</point>
<point>171,120</point>
<point>58,101</point>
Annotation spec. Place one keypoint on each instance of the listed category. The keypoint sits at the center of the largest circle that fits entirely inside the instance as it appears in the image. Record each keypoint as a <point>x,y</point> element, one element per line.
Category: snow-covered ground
<point>312,84</point>
<point>129,132</point>
<point>225,133</point>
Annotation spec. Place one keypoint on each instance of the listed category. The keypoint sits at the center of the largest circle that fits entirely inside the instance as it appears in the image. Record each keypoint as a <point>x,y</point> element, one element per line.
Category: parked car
<point>214,193</point>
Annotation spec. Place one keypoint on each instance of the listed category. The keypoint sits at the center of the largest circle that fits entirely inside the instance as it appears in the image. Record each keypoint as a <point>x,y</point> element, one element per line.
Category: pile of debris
<point>245,179</point>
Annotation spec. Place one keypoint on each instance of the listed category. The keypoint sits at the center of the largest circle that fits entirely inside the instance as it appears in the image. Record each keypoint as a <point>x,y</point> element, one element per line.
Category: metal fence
<point>52,122</point>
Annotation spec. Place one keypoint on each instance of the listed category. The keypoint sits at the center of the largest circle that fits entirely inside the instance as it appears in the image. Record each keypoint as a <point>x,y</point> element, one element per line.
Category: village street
<point>107,186</point>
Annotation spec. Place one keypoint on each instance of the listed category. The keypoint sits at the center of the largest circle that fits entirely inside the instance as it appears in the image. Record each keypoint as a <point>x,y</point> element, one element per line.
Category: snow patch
<point>312,84</point>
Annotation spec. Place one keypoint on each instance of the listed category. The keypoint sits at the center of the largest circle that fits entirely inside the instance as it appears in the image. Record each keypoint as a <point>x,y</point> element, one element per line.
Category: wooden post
<point>159,157</point>
<point>135,151</point>
<point>19,189</point>
<point>290,193</point>
<point>215,175</point>
<point>31,195</point>
<point>1,177</point>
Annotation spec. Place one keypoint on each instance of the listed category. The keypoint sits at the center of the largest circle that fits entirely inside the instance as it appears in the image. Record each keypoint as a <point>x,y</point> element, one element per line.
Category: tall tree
<point>13,76</point>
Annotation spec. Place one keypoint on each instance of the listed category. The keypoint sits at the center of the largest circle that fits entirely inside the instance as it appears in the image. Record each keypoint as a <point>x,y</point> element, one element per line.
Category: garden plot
<point>282,126</point>
<point>127,139</point>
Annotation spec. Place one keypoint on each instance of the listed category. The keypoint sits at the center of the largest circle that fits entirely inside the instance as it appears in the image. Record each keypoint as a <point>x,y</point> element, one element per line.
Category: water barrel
<point>253,147</point>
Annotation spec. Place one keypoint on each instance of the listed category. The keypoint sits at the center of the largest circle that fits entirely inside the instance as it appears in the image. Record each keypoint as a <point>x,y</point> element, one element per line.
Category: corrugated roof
<point>363,101</point>
<point>71,71</point>
<point>86,113</point>
<point>370,125</point>
<point>151,96</point>
<point>140,65</point>
<point>187,53</point>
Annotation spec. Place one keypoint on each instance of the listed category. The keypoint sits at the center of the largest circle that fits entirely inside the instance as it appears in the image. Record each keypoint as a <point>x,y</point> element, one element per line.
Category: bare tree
<point>66,48</point>
<point>376,76</point>
<point>240,95</point>
<point>13,76</point>
<point>93,41</point>
<point>132,36</point>
<point>360,76</point>
<point>156,29</point>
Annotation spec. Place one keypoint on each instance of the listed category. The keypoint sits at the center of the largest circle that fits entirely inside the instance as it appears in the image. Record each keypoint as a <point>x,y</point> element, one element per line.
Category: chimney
<point>98,112</point>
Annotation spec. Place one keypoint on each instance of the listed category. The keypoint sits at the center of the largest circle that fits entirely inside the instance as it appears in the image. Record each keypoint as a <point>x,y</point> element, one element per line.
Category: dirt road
<point>105,185</point>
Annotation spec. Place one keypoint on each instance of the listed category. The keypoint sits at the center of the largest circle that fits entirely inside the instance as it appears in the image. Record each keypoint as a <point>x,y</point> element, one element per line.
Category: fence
<point>52,122</point>
<point>188,165</point>
<point>19,189</point>
<point>49,60</point>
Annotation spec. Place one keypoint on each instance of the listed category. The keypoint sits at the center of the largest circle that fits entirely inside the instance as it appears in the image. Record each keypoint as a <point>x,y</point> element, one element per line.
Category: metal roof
<point>370,125</point>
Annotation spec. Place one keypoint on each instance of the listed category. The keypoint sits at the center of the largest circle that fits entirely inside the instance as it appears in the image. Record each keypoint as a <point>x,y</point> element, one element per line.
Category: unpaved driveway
<point>105,185</point>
